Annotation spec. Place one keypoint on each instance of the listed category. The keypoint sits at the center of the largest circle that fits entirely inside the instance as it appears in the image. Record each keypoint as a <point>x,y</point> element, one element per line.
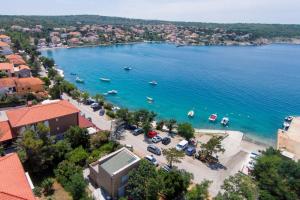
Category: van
<point>182,145</point>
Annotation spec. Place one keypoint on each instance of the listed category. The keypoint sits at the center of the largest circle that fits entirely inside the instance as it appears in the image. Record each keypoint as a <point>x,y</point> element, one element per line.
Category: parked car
<point>101,112</point>
<point>138,131</point>
<point>182,145</point>
<point>96,106</point>
<point>156,139</point>
<point>166,140</point>
<point>89,101</point>
<point>152,160</point>
<point>154,149</point>
<point>190,151</point>
<point>167,168</point>
<point>130,127</point>
<point>152,134</point>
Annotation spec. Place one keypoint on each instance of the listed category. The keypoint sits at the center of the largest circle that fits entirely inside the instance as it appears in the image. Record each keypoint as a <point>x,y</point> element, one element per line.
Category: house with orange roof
<point>22,71</point>
<point>5,49</point>
<point>58,115</point>
<point>7,68</point>
<point>21,86</point>
<point>29,85</point>
<point>15,59</point>
<point>7,86</point>
<point>15,183</point>
<point>5,38</point>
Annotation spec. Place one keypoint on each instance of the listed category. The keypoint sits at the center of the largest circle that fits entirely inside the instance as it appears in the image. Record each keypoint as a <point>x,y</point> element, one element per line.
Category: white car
<point>156,139</point>
<point>152,160</point>
<point>182,145</point>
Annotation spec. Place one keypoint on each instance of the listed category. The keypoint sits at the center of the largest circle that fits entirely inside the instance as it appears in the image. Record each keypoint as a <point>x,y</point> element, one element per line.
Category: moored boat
<point>79,80</point>
<point>150,99</point>
<point>213,117</point>
<point>112,92</point>
<point>105,79</point>
<point>286,126</point>
<point>153,83</point>
<point>289,118</point>
<point>191,113</point>
<point>73,74</point>
<point>127,68</point>
<point>225,121</point>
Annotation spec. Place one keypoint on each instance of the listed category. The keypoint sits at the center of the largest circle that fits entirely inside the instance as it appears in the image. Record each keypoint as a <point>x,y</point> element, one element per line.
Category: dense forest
<point>257,30</point>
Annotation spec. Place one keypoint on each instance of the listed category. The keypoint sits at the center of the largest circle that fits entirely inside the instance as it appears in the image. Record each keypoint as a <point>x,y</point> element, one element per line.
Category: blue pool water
<point>256,87</point>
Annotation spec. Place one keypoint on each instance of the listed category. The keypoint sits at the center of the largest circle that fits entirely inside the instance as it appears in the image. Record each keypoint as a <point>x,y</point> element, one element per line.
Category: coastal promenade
<point>235,157</point>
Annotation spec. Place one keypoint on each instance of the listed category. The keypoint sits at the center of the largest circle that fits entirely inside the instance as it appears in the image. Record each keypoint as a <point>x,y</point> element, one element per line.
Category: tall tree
<point>173,156</point>
<point>213,146</point>
<point>78,137</point>
<point>170,124</point>
<point>199,192</point>
<point>186,130</point>
<point>238,187</point>
<point>139,182</point>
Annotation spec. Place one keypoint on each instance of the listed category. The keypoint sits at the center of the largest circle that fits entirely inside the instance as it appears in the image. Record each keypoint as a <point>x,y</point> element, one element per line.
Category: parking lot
<point>232,160</point>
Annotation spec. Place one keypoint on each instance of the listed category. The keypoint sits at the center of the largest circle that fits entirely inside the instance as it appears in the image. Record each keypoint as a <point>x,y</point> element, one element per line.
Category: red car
<point>152,134</point>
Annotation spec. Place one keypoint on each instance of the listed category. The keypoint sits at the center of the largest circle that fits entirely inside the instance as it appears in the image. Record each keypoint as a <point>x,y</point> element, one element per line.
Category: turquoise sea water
<point>256,87</point>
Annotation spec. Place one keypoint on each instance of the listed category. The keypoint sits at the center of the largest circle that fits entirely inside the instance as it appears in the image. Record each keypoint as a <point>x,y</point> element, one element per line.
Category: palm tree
<point>171,124</point>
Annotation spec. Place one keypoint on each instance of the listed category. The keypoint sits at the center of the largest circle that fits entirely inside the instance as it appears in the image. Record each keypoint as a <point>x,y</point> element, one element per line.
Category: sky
<point>223,11</point>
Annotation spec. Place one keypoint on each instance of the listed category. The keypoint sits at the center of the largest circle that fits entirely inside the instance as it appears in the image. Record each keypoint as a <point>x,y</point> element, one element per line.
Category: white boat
<point>79,80</point>
<point>112,92</point>
<point>127,68</point>
<point>150,99</point>
<point>286,126</point>
<point>225,121</point>
<point>105,79</point>
<point>213,117</point>
<point>153,83</point>
<point>289,118</point>
<point>191,113</point>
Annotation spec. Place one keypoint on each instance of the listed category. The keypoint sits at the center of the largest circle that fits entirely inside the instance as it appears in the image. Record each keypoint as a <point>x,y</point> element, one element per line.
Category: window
<point>57,119</point>
<point>124,179</point>
<point>57,128</point>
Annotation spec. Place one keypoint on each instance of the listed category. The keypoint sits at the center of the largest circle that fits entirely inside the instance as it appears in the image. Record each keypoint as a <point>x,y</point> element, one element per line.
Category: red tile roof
<point>85,123</point>
<point>5,131</point>
<point>3,36</point>
<point>7,66</point>
<point>14,184</point>
<point>27,82</point>
<point>15,59</point>
<point>4,44</point>
<point>7,82</point>
<point>24,67</point>
<point>39,113</point>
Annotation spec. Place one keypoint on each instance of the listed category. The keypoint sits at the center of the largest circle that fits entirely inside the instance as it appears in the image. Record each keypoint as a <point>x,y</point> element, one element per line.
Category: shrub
<point>99,139</point>
<point>78,137</point>
<point>108,106</point>
<point>64,171</point>
<point>110,114</point>
<point>37,191</point>
<point>76,186</point>
<point>77,156</point>
<point>47,186</point>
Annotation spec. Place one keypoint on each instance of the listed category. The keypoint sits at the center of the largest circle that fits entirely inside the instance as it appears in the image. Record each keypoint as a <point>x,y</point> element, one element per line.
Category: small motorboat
<point>286,126</point>
<point>105,79</point>
<point>127,68</point>
<point>112,92</point>
<point>73,74</point>
<point>150,99</point>
<point>213,117</point>
<point>153,83</point>
<point>289,118</point>
<point>225,121</point>
<point>191,113</point>
<point>79,80</point>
